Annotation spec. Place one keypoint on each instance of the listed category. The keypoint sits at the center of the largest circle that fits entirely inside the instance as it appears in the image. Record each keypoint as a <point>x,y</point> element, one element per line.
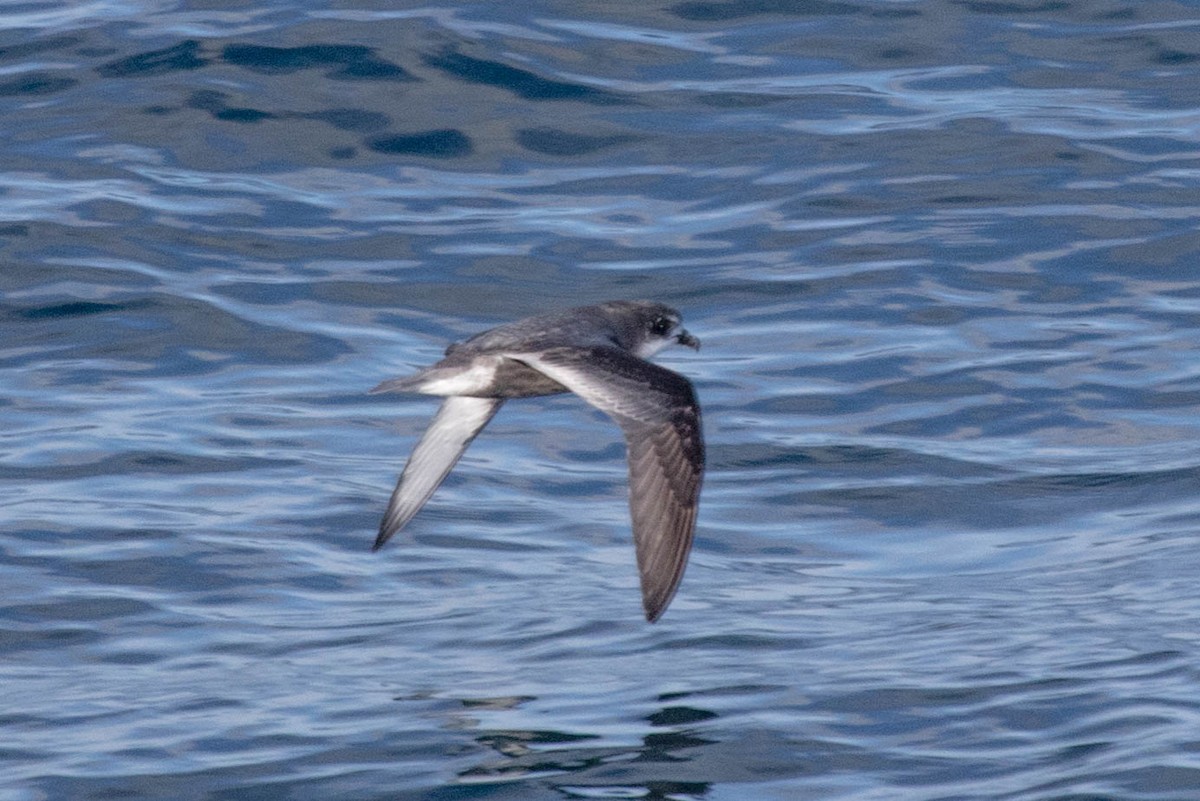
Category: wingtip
<point>654,609</point>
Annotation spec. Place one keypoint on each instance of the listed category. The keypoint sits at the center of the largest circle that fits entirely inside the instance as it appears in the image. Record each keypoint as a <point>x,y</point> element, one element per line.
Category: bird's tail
<point>408,383</point>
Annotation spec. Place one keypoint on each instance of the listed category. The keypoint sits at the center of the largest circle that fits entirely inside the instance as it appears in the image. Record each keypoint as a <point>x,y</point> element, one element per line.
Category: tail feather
<point>408,383</point>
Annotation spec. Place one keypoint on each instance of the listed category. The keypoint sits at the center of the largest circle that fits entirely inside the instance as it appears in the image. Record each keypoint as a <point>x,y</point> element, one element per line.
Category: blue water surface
<point>943,257</point>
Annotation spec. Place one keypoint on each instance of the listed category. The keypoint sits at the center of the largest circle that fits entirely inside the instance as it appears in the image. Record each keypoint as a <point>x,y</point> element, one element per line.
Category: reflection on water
<point>941,256</point>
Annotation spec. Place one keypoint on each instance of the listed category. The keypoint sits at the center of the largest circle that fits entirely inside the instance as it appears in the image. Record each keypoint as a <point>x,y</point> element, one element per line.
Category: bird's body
<point>597,352</point>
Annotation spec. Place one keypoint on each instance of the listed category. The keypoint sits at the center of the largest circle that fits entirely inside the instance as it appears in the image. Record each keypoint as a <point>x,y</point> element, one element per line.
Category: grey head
<point>642,327</point>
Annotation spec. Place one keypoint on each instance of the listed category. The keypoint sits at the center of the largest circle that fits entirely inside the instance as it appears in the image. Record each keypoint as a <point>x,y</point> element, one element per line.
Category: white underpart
<point>653,345</point>
<point>477,378</point>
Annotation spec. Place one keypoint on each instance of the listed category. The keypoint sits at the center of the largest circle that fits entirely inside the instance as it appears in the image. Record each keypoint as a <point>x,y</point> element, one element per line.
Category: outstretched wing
<point>454,426</point>
<point>659,415</point>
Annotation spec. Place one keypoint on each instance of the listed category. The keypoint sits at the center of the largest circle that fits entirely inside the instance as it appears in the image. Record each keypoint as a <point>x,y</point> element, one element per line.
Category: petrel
<point>599,353</point>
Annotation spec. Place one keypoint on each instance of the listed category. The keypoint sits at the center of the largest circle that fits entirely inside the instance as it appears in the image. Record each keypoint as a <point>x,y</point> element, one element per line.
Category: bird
<point>600,353</point>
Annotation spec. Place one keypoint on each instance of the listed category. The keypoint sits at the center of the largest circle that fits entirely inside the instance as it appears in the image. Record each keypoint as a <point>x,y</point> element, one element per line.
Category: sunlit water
<point>943,259</point>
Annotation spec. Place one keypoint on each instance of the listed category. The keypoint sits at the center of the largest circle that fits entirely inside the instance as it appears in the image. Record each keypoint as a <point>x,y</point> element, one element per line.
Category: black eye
<point>660,326</point>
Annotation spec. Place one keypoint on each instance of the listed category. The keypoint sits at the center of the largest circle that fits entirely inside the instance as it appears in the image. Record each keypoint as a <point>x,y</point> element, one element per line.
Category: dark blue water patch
<point>350,119</point>
<point>680,716</point>
<point>522,83</point>
<point>267,294</point>
<point>1007,418</point>
<point>739,100</point>
<point>1046,486</point>
<point>214,103</point>
<point>177,564</point>
<point>834,461</point>
<point>350,62</point>
<point>1044,501</point>
<point>883,368</point>
<point>177,58</point>
<point>554,142</point>
<point>1005,9</point>
<point>501,739</point>
<point>445,143</point>
<point>36,46</point>
<point>156,334</point>
<point>142,536</point>
<point>243,115</point>
<point>740,9</point>
<point>11,754</point>
<point>1171,399</point>
<point>217,104</point>
<point>207,100</point>
<point>142,462</point>
<point>1120,398</point>
<point>78,608</point>
<point>36,84</point>
<point>181,573</point>
<point>80,308</point>
<point>221,783</point>
<point>53,638</point>
<point>732,690</point>
<point>1175,58</point>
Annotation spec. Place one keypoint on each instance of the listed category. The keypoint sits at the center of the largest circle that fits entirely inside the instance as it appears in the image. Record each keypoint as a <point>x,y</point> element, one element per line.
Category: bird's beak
<point>684,338</point>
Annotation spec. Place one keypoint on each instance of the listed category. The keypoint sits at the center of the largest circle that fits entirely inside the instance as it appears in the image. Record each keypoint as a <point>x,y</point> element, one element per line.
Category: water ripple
<point>941,259</point>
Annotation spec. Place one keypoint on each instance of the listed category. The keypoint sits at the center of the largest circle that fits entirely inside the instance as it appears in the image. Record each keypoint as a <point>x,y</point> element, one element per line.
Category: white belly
<point>474,380</point>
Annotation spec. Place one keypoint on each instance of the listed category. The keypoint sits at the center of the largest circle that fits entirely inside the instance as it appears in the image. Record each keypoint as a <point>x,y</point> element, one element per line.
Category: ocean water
<point>943,257</point>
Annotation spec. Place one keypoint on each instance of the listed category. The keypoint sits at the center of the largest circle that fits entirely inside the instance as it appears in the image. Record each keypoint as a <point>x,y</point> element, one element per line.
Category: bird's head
<point>644,327</point>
